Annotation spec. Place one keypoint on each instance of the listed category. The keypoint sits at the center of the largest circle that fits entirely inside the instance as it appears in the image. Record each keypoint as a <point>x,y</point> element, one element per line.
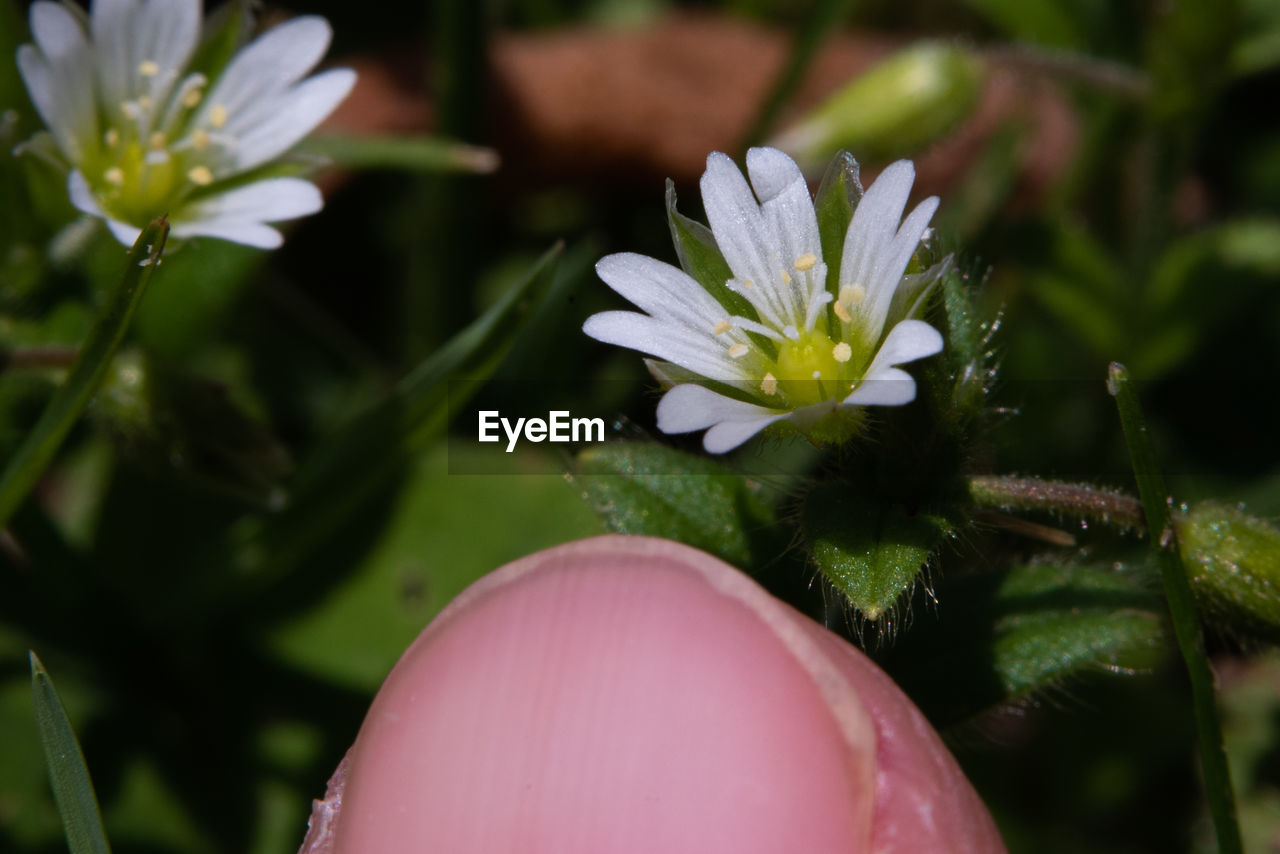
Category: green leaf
<point>650,489</point>
<point>35,454</point>
<point>1047,22</point>
<point>870,551</point>
<point>67,771</point>
<point>1001,637</point>
<point>409,153</point>
<point>1233,563</point>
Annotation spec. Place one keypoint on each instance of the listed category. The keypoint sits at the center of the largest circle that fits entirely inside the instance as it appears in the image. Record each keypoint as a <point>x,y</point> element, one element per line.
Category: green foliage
<point>1233,562</point>
<point>661,492</point>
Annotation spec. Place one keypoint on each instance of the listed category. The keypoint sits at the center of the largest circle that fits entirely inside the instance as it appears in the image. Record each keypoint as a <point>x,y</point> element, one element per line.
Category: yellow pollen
<point>806,261</point>
<point>747,283</point>
<point>842,312</point>
<point>851,294</point>
<point>200,139</point>
<point>148,68</point>
<point>111,138</point>
<point>737,351</point>
<point>114,176</point>
<point>218,116</point>
<point>144,103</point>
<point>201,175</point>
<point>842,352</point>
<point>722,327</point>
<point>769,385</point>
<point>786,277</point>
<point>158,141</point>
<point>192,98</point>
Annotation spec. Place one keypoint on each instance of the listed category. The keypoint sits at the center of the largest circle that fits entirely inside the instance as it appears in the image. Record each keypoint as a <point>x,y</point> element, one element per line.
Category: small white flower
<point>145,134</point>
<point>803,347</point>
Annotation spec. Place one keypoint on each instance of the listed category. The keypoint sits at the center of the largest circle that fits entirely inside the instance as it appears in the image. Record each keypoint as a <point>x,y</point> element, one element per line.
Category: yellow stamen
<point>201,175</point>
<point>842,312</point>
<point>842,352</point>
<point>192,98</point>
<point>806,261</point>
<point>200,139</point>
<point>218,116</point>
<point>769,385</point>
<point>850,294</point>
<point>158,141</point>
<point>148,68</point>
<point>114,176</point>
<point>144,103</point>
<point>786,277</point>
<point>737,351</point>
<point>111,138</point>
<point>722,327</point>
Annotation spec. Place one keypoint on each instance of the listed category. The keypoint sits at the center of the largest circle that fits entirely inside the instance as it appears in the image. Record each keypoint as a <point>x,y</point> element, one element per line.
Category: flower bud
<point>897,107</point>
<point>630,694</point>
<point>1233,562</point>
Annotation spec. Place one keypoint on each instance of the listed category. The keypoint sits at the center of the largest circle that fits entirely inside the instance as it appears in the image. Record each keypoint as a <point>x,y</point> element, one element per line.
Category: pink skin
<point>628,694</point>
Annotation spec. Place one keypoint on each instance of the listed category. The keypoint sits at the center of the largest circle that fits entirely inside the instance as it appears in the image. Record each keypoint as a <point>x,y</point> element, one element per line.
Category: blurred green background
<point>261,511</point>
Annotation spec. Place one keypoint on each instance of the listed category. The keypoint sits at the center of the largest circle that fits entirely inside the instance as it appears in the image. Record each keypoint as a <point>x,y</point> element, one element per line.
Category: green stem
<point>1071,499</point>
<point>35,454</point>
<point>826,14</point>
<point>1182,610</point>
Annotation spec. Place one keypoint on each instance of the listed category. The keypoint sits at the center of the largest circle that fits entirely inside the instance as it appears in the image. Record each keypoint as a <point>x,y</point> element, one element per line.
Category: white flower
<point>803,347</point>
<point>145,134</point>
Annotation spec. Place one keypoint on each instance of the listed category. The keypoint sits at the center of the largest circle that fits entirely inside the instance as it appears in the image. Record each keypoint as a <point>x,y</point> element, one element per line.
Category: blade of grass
<point>68,773</point>
<point>410,153</point>
<point>37,451</point>
<point>1182,610</point>
<point>825,15</point>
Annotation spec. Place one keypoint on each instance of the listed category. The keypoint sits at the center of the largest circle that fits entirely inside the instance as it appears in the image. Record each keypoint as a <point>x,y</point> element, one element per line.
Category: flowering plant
<point>148,122</point>
<point>818,308</point>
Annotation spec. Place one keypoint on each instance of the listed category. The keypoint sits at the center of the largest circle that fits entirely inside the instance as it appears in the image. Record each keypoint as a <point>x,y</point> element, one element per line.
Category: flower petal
<point>272,128</point>
<point>746,239</point>
<point>166,34</point>
<point>268,65</point>
<point>687,408</point>
<point>889,268</point>
<point>674,343</point>
<point>113,24</point>
<point>785,202</point>
<point>58,72</point>
<point>254,234</point>
<point>83,200</point>
<point>664,291</point>
<point>270,200</point>
<point>885,385</point>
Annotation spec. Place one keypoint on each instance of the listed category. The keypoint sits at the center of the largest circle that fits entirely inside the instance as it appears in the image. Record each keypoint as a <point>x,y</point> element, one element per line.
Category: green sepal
<point>997,638</point>
<point>650,489</point>
<point>223,33</point>
<point>868,550</point>
<point>701,258</point>
<point>1233,563</point>
<point>838,197</point>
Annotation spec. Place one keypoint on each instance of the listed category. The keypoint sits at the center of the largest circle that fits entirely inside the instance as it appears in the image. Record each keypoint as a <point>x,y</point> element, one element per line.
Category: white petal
<point>268,65</point>
<point>889,268</point>
<point>113,24</point>
<point>261,136</point>
<point>874,223</point>
<point>887,387</point>
<point>249,233</point>
<point>674,343</point>
<point>59,78</point>
<point>166,34</point>
<point>745,238</point>
<point>83,200</point>
<point>785,203</point>
<point>687,408</point>
<point>664,291</point>
<point>884,385</point>
<point>270,200</point>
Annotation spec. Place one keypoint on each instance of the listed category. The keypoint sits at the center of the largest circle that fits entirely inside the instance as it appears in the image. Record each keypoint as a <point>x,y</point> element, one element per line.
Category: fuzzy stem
<point>1074,499</point>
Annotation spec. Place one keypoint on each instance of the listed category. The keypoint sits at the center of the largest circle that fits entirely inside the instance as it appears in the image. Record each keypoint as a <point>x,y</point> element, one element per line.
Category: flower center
<point>809,369</point>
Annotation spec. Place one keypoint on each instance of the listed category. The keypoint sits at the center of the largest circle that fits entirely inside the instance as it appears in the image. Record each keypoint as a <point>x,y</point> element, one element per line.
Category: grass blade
<point>68,773</point>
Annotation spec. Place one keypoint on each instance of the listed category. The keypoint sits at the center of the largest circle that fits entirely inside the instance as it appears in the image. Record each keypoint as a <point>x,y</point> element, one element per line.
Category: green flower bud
<point>897,107</point>
<point>1233,563</point>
